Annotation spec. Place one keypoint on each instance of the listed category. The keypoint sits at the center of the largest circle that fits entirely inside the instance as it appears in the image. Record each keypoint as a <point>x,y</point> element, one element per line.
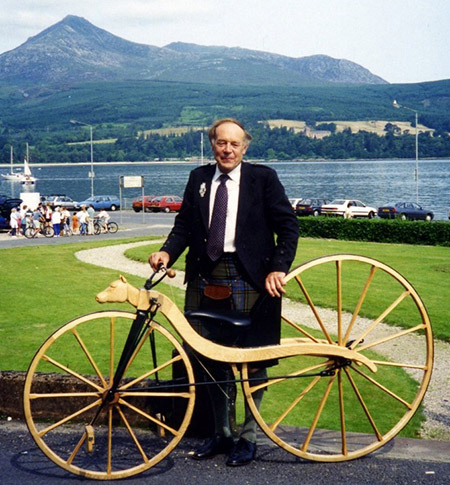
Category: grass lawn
<point>44,287</point>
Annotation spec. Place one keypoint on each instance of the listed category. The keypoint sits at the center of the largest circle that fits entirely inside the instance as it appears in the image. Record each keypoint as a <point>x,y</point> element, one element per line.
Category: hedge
<point>435,233</point>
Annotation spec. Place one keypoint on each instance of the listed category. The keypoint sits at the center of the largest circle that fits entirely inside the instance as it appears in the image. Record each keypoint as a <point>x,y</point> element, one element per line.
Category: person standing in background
<point>56,221</point>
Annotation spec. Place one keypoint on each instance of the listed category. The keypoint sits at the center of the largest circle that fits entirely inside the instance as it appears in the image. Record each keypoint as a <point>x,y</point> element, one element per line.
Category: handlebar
<point>149,284</point>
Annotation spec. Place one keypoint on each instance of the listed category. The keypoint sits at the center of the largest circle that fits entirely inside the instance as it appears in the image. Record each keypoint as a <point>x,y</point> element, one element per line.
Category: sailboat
<point>24,177</point>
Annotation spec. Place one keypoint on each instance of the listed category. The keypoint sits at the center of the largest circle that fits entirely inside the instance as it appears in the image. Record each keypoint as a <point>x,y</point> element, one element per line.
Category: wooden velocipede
<point>119,390</point>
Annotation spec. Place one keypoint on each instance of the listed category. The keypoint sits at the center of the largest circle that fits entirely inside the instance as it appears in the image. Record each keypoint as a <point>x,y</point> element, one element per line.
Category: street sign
<point>129,182</point>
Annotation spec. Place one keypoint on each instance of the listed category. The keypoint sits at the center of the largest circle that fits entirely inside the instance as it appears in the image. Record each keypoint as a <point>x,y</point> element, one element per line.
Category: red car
<point>166,203</point>
<point>137,203</point>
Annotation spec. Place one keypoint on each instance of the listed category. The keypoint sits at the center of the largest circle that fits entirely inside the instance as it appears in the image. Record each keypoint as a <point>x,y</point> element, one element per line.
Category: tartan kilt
<point>226,273</point>
<point>244,299</point>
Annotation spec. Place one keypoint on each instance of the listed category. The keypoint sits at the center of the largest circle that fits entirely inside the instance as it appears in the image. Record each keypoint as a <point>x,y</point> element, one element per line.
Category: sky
<point>403,41</point>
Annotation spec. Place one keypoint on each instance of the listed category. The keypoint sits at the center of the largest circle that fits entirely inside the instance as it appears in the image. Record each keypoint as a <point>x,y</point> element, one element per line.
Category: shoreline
<point>206,161</point>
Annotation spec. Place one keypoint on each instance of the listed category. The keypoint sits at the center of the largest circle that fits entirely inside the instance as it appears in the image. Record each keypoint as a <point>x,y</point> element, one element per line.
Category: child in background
<point>75,229</point>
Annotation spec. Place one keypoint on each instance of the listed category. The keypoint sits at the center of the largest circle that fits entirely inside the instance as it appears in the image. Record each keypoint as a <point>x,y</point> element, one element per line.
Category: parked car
<point>98,202</point>
<point>405,210</point>
<point>137,203</point>
<point>7,203</point>
<point>166,203</point>
<point>348,208</point>
<point>310,207</point>
<point>294,202</point>
<point>61,201</point>
<point>4,223</point>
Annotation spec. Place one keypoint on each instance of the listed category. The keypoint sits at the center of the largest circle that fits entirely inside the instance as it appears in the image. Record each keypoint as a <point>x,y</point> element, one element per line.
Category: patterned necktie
<point>216,237</point>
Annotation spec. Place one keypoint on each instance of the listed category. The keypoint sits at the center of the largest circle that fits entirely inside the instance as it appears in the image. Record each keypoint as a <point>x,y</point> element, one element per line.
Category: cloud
<point>21,20</point>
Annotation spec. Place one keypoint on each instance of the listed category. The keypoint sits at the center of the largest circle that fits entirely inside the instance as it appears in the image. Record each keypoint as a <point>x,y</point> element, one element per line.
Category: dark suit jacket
<point>263,213</point>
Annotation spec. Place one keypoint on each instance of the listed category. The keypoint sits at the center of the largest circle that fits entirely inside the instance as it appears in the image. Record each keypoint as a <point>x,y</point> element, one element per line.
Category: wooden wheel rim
<point>107,474</point>
<point>381,440</point>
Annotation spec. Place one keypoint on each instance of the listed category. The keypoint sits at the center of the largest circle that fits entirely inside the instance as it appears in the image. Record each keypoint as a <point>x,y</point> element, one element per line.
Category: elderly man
<point>242,237</point>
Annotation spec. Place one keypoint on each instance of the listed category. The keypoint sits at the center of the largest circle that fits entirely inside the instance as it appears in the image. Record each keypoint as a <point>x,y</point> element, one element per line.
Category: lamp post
<point>91,173</point>
<point>416,172</point>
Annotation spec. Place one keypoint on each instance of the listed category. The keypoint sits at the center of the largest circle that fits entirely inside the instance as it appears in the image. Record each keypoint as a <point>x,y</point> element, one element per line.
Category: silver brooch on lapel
<point>202,190</point>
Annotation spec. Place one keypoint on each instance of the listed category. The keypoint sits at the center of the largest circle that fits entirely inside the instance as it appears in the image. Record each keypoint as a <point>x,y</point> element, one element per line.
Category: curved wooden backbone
<point>287,347</point>
<point>121,291</point>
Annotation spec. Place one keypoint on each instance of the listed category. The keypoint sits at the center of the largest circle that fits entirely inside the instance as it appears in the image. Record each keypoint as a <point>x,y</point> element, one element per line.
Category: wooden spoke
<point>292,406</point>
<point>76,449</point>
<point>71,372</point>
<point>383,388</point>
<point>300,329</point>
<point>364,406</point>
<point>150,373</point>
<point>339,300</point>
<point>147,416</point>
<point>400,364</point>
<point>69,418</point>
<point>314,309</point>
<point>362,297</point>
<point>56,395</point>
<point>132,434</point>
<point>342,413</point>
<point>89,356</point>
<point>380,318</point>
<point>138,348</point>
<point>110,429</point>
<point>305,445</point>
<point>391,337</point>
<point>112,323</point>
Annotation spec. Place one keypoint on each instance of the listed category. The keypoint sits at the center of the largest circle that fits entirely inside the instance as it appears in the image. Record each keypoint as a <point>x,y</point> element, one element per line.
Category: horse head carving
<point>119,291</point>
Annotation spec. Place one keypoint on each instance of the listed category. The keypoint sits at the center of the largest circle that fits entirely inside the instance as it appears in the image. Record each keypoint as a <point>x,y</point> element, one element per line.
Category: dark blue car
<point>310,207</point>
<point>4,223</point>
<point>405,211</point>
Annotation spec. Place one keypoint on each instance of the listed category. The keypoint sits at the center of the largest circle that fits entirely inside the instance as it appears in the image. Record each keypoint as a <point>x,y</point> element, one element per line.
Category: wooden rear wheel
<point>68,383</point>
<point>333,409</point>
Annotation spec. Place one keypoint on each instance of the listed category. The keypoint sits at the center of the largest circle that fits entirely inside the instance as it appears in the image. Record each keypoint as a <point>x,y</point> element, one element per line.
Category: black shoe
<point>214,446</point>
<point>243,453</point>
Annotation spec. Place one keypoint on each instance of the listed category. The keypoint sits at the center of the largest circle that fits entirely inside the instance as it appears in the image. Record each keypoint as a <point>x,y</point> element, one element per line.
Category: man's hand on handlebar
<point>156,260</point>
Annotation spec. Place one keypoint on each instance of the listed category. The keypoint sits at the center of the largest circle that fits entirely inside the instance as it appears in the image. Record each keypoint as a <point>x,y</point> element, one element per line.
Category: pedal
<point>90,438</point>
<point>160,431</point>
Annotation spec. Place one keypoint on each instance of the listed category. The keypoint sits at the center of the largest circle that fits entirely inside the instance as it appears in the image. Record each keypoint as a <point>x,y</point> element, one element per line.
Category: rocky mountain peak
<point>74,50</point>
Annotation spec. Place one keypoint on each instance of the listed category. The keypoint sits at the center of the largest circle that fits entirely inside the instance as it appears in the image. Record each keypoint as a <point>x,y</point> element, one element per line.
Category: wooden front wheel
<point>139,425</point>
<point>333,409</point>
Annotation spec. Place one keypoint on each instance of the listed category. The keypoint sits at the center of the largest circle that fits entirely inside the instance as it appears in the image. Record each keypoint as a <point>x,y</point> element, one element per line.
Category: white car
<point>348,208</point>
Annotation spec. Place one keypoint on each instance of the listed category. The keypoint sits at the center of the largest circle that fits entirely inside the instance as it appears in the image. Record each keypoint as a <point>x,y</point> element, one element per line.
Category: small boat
<point>24,177</point>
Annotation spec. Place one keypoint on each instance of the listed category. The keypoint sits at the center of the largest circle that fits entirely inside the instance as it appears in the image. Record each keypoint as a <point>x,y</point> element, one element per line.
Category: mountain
<point>74,50</point>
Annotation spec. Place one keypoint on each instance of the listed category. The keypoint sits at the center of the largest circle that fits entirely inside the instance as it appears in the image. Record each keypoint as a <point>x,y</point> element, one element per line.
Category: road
<point>403,461</point>
<point>131,224</point>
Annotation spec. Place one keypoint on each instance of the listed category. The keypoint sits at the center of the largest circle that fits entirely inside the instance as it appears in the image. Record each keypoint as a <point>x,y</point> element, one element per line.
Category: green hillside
<point>153,104</point>
<point>120,110</point>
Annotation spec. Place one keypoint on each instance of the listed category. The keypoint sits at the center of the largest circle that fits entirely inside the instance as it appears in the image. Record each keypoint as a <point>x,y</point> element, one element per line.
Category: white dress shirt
<point>232,207</point>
